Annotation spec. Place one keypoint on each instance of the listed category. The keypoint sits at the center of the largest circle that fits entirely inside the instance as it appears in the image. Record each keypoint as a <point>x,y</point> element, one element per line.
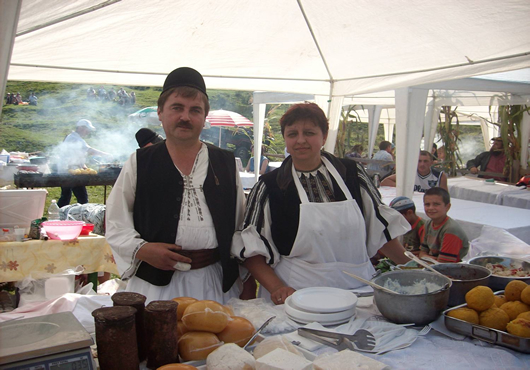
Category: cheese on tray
<point>230,357</point>
<point>346,360</point>
<point>280,359</point>
<point>271,343</point>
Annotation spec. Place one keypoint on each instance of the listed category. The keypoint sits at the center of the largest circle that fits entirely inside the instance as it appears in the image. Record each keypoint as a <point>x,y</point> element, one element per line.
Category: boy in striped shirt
<point>444,239</point>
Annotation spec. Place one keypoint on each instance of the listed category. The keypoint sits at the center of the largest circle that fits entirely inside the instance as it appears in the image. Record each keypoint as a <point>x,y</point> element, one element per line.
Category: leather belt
<point>201,257</point>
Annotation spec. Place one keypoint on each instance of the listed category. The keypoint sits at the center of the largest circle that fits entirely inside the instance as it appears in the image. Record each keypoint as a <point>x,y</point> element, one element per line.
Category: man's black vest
<point>285,203</point>
<point>159,190</point>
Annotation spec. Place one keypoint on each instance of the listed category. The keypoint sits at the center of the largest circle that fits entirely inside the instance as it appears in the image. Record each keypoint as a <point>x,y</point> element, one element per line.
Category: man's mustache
<point>184,124</point>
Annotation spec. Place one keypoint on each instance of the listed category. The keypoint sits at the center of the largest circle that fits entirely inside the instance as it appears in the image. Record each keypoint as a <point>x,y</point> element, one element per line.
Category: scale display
<point>49,342</point>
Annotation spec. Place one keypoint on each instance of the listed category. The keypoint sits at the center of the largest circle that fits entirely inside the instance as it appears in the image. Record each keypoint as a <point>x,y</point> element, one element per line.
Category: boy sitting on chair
<point>444,239</point>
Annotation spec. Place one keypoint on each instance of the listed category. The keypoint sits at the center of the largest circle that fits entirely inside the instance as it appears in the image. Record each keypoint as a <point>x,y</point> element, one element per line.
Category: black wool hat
<point>145,136</point>
<point>185,76</point>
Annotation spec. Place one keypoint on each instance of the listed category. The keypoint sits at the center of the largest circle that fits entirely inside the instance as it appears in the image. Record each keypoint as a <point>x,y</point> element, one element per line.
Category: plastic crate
<point>20,207</point>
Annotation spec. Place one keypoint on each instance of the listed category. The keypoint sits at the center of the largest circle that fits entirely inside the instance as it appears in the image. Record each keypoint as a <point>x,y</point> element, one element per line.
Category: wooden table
<point>40,259</point>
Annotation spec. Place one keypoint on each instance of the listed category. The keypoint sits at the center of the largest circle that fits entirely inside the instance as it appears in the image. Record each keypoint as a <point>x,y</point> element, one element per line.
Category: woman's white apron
<point>330,237</point>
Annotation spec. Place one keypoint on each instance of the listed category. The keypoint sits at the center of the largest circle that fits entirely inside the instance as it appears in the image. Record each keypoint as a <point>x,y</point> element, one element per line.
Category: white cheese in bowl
<point>280,359</point>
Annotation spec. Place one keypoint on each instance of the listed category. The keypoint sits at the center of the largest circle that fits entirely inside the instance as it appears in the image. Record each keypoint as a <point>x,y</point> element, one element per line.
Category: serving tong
<point>360,340</point>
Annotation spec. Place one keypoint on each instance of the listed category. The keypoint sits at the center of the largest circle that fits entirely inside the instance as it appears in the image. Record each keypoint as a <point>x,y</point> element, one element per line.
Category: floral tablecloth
<point>40,259</point>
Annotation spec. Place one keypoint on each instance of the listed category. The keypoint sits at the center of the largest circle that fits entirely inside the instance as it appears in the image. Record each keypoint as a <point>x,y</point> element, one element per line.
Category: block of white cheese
<point>347,360</point>
<point>230,357</point>
<point>280,359</point>
<point>269,344</point>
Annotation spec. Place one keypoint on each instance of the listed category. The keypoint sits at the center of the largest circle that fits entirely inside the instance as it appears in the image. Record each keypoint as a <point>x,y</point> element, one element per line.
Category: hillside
<point>38,128</point>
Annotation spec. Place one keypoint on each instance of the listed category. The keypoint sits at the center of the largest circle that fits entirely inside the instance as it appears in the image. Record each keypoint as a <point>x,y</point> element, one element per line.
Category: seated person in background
<point>492,161</point>
<point>434,151</point>
<point>444,239</point>
<point>426,176</point>
<point>355,152</point>
<point>385,153</point>
<point>412,239</point>
<point>264,162</point>
<point>147,137</point>
<point>33,99</point>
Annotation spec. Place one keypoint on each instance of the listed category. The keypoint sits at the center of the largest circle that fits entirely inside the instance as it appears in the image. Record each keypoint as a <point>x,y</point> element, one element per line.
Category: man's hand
<point>161,255</point>
<point>473,170</point>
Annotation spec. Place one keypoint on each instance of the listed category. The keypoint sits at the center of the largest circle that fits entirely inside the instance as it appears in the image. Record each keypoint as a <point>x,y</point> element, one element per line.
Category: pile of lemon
<point>509,312</point>
<point>83,171</point>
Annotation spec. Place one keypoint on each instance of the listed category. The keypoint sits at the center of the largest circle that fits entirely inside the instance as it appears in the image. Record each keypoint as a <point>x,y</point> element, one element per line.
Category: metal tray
<point>485,334</point>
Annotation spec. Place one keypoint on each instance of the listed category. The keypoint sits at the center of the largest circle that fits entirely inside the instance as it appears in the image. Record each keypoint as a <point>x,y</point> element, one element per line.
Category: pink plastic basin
<point>63,230</point>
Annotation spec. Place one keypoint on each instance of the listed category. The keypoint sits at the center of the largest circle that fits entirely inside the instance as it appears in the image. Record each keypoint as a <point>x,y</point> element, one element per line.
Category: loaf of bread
<point>280,359</point>
<point>271,343</point>
<point>238,330</point>
<point>230,357</point>
<point>177,367</point>
<point>193,346</point>
<point>183,302</point>
<point>347,360</point>
<point>205,315</point>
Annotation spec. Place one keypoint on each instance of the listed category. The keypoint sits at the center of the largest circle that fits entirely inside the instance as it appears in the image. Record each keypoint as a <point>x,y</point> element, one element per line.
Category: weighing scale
<point>50,342</point>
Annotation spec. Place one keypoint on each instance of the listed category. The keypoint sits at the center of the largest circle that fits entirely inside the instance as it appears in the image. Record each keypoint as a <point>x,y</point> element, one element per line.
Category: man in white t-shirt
<point>73,151</point>
<point>426,176</point>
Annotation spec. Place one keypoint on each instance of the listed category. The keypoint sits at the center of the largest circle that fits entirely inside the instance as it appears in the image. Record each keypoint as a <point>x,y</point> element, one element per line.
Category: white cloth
<point>194,232</point>
<point>318,257</point>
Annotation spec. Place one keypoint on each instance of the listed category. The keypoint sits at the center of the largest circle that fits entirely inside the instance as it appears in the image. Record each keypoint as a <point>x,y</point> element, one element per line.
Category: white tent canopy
<point>331,49</point>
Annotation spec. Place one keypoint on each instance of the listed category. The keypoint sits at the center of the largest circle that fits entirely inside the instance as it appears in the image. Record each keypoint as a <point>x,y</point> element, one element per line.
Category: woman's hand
<point>279,295</point>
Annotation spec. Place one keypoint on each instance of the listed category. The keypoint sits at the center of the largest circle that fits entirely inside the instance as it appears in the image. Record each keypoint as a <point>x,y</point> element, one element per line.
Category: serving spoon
<point>372,284</point>
<point>426,265</point>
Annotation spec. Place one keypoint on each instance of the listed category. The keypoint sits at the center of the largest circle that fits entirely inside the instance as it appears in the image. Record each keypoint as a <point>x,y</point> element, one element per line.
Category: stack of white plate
<point>327,306</point>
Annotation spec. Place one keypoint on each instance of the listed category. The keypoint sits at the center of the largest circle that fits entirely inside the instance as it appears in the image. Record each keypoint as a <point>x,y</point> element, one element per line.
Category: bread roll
<point>181,329</point>
<point>207,316</point>
<point>183,302</point>
<point>271,343</point>
<point>230,357</point>
<point>195,346</point>
<point>177,367</point>
<point>238,330</point>
<point>229,311</point>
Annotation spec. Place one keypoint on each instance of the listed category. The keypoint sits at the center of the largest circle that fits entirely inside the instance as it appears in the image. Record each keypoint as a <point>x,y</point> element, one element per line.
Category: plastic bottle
<point>53,211</point>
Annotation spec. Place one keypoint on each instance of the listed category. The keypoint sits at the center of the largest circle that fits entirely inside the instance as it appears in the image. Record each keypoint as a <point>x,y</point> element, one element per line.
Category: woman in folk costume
<point>315,216</point>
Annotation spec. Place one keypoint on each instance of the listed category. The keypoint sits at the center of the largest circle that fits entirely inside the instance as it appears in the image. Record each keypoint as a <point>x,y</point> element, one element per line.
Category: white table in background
<point>247,180</point>
<point>475,189</point>
<point>473,215</point>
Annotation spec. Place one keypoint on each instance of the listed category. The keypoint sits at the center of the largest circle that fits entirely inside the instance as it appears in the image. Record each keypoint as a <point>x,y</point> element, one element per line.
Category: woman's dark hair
<point>305,111</point>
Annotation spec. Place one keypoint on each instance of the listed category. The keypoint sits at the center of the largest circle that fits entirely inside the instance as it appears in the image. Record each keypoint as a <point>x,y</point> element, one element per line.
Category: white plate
<point>322,318</point>
<point>330,323</point>
<point>324,299</point>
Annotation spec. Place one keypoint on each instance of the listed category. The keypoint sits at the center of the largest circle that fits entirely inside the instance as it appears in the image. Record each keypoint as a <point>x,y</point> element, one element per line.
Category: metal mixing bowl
<point>499,282</point>
<point>465,277</point>
<point>419,309</point>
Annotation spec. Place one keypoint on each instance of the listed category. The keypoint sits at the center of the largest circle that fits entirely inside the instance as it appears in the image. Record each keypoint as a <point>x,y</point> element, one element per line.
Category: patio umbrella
<point>226,118</point>
<point>146,116</point>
